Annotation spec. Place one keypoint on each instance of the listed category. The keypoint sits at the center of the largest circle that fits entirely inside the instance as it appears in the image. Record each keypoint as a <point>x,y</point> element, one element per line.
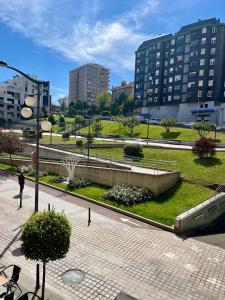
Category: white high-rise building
<point>13,93</point>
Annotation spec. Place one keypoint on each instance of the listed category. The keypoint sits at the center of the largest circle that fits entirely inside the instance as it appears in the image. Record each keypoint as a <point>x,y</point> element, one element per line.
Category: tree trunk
<point>43,282</point>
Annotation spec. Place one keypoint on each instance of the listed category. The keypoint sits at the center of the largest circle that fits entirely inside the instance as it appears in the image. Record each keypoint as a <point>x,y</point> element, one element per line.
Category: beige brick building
<point>88,81</point>
<point>126,88</point>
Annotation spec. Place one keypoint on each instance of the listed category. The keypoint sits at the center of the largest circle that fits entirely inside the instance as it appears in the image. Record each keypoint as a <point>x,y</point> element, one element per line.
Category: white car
<point>154,121</point>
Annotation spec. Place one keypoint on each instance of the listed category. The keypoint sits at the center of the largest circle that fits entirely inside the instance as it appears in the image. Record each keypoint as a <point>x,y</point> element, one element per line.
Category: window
<point>158,54</point>
<point>176,97</point>
<point>170,79</point>
<point>165,73</point>
<point>200,83</point>
<point>166,63</point>
<point>184,88</point>
<point>213,51</point>
<point>204,29</point>
<point>209,94</point>
<point>172,42</point>
<point>194,43</point>
<point>156,90</point>
<point>180,49</point>
<point>157,64</point>
<point>187,48</point>
<point>155,99</point>
<point>194,63</point>
<point>191,84</point>
<point>200,93</point>
<point>202,62</point>
<point>211,72</point>
<point>203,41</point>
<point>177,87</point>
<point>186,58</point>
<point>184,98</point>
<point>169,98</point>
<point>210,83</point>
<point>213,40</point>
<point>201,72</point>
<point>213,29</point>
<point>193,53</point>
<point>171,70</point>
<point>192,74</point>
<point>157,73</point>
<point>170,89</point>
<point>186,68</point>
<point>179,57</point>
<point>212,62</point>
<point>185,78</point>
<point>158,45</point>
<point>188,38</point>
<point>172,61</point>
<point>157,81</point>
<point>165,81</point>
<point>203,51</point>
<point>172,51</point>
<point>177,77</point>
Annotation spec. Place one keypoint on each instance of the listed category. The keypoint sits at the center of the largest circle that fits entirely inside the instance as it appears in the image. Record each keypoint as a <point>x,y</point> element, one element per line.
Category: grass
<point>203,171</point>
<point>155,131</point>
<point>163,208</point>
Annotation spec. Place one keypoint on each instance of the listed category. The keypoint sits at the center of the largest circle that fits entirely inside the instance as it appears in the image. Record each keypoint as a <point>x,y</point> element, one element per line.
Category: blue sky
<point>50,37</point>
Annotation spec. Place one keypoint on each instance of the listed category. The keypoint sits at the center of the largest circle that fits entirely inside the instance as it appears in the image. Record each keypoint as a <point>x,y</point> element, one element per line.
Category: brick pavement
<point>145,263</point>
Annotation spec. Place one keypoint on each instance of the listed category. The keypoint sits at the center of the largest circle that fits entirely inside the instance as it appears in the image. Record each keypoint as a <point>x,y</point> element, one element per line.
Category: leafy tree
<point>51,119</point>
<point>133,150</point>
<point>62,123</point>
<point>44,111</point>
<point>10,143</point>
<point>80,144</point>
<point>203,128</point>
<point>97,126</point>
<point>46,237</point>
<point>114,109</point>
<point>167,123</point>
<point>78,122</point>
<point>130,123</point>
<point>102,101</point>
<point>63,107</point>
<point>204,148</point>
<point>66,135</point>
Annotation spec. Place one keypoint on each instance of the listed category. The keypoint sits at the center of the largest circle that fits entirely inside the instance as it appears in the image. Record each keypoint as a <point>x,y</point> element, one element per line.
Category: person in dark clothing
<point>21,181</point>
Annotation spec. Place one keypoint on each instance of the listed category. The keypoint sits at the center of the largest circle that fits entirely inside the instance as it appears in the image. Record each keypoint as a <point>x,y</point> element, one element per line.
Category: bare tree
<point>70,162</point>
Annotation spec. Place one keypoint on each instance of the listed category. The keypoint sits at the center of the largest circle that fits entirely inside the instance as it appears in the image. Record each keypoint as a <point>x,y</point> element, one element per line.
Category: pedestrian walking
<point>21,181</point>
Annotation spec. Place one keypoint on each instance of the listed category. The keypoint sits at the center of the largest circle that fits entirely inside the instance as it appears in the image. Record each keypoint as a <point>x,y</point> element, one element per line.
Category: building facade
<point>183,75</point>
<point>87,82</point>
<point>126,88</point>
<point>13,93</point>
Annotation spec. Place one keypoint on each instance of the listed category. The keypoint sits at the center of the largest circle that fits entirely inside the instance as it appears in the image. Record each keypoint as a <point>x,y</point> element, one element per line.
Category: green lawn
<point>162,209</point>
<point>155,131</point>
<point>204,171</point>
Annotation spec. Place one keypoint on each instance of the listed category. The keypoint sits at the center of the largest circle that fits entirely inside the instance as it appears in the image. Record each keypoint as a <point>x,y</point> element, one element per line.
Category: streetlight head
<point>3,64</point>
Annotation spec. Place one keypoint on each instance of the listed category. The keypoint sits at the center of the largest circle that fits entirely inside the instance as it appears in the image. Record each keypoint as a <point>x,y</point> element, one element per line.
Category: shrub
<point>133,150</point>
<point>128,195</point>
<point>204,148</point>
<point>80,143</point>
<point>66,135</point>
<point>77,183</point>
<point>58,179</point>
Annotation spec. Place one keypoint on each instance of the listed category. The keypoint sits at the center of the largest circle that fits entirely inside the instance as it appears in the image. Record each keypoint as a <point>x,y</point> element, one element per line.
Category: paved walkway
<point>141,261</point>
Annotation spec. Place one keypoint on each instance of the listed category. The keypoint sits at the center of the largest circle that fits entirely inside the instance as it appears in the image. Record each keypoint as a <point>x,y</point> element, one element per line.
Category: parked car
<point>153,121</point>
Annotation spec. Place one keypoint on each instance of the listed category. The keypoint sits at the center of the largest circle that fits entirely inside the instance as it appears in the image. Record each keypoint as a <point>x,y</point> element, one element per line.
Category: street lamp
<point>27,112</point>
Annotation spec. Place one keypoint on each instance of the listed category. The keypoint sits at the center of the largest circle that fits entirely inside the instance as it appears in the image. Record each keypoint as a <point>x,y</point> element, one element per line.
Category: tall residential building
<point>13,93</point>
<point>183,75</point>
<point>126,88</point>
<point>88,81</point>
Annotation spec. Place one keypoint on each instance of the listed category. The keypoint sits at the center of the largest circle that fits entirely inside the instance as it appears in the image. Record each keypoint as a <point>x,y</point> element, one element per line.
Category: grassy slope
<point>155,131</point>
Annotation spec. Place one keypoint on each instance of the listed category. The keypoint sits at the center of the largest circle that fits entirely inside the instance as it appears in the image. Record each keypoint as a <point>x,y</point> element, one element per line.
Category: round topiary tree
<point>134,150</point>
<point>46,237</point>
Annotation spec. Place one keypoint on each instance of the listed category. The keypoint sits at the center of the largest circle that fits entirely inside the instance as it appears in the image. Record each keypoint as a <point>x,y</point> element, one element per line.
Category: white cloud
<point>76,36</point>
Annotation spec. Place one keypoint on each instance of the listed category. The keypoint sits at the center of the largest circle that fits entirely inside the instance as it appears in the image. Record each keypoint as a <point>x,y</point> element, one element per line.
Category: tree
<point>130,123</point>
<point>204,148</point>
<point>167,123</point>
<point>114,109</point>
<point>62,123</point>
<point>44,111</point>
<point>97,127</point>
<point>51,119</point>
<point>78,120</point>
<point>46,237</point>
<point>10,143</point>
<point>203,128</point>
<point>2,121</point>
<point>102,101</point>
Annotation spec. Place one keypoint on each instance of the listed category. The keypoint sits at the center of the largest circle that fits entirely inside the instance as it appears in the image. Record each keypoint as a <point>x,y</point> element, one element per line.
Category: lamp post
<point>39,85</point>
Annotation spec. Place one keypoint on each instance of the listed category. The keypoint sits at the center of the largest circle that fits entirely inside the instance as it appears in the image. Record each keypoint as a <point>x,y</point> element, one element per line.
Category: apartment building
<point>13,93</point>
<point>126,88</point>
<point>88,81</point>
<point>183,75</point>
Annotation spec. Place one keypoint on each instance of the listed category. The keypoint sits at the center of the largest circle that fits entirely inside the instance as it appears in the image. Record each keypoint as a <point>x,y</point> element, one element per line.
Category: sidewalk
<point>144,262</point>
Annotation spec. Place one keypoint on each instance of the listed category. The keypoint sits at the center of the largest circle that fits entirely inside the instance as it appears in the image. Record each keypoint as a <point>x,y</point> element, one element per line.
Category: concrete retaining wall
<point>200,215</point>
<point>156,183</point>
